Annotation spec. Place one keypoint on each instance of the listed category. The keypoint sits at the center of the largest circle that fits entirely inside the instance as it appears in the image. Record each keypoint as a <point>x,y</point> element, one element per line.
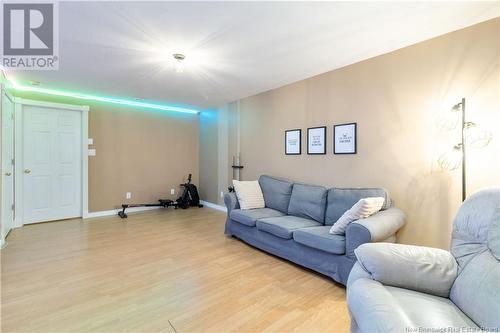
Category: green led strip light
<point>120,101</point>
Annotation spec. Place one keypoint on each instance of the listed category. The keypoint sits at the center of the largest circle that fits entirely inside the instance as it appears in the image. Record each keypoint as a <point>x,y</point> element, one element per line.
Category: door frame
<point>18,152</point>
<point>3,235</point>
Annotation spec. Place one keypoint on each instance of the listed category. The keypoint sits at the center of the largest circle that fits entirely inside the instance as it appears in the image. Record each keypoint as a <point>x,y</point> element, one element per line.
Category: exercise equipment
<point>188,198</point>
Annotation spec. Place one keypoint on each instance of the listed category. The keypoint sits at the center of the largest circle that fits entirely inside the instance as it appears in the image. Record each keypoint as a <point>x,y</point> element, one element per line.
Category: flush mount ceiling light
<point>179,62</point>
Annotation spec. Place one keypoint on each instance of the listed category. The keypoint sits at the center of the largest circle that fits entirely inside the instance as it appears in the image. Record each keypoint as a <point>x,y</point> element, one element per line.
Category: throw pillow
<point>249,194</point>
<point>360,210</point>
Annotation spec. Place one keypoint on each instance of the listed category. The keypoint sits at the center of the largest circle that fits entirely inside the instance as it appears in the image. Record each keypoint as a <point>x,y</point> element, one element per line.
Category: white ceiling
<point>233,49</point>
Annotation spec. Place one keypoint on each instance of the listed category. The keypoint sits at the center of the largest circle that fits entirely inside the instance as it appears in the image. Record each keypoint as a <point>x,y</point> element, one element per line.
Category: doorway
<point>7,204</point>
<point>52,166</point>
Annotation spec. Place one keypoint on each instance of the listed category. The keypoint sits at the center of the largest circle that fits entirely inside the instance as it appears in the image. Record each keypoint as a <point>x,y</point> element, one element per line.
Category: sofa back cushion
<point>308,201</point>
<point>339,200</point>
<point>476,247</point>
<point>277,192</point>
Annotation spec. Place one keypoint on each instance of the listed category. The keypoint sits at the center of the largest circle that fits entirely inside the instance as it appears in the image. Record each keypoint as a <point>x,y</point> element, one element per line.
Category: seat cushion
<point>284,226</point>
<point>250,216</point>
<point>319,238</point>
<point>429,310</point>
<point>277,192</point>
<point>308,201</point>
<point>379,308</point>
<point>340,200</point>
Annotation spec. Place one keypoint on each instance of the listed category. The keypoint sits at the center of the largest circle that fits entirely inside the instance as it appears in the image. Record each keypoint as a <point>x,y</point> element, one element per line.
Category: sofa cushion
<point>277,192</point>
<point>429,310</point>
<point>249,194</point>
<point>284,226</point>
<point>308,201</point>
<point>319,238</point>
<point>340,200</point>
<point>362,209</point>
<point>250,216</point>
<point>378,308</point>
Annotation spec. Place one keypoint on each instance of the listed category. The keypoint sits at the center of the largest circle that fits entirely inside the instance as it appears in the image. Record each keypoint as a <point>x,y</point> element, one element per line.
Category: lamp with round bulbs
<point>452,159</point>
<point>472,136</point>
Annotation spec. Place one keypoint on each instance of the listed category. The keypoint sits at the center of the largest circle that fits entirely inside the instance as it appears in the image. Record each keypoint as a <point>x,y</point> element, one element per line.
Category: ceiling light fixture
<point>179,62</point>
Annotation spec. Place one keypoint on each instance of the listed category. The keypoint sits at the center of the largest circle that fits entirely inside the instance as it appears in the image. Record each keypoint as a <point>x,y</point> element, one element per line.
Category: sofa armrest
<point>375,228</point>
<point>357,272</point>
<point>231,202</point>
<point>383,224</point>
<point>418,268</point>
<point>373,309</point>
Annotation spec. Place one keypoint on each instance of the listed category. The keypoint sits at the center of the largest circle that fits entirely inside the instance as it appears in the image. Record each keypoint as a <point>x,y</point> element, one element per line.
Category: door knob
<point>8,173</point>
<point>27,171</point>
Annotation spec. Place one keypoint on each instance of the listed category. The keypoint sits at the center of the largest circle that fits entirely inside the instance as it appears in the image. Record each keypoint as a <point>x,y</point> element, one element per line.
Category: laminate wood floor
<point>158,271</point>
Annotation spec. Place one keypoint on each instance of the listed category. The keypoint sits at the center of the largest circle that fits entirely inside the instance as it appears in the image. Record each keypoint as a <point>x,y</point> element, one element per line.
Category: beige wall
<point>395,99</point>
<point>140,151</point>
<point>143,152</point>
<point>218,145</point>
<point>209,156</point>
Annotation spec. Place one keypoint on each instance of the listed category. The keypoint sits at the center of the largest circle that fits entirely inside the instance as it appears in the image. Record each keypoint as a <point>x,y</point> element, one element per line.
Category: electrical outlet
<point>128,195</point>
<point>221,194</point>
<point>172,191</point>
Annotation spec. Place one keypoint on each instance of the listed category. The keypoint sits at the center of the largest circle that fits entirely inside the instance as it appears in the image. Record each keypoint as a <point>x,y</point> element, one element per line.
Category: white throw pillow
<point>361,209</point>
<point>249,194</point>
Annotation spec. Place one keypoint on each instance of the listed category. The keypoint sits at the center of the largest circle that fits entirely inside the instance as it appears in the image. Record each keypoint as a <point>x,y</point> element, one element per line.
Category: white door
<point>7,164</point>
<point>52,175</point>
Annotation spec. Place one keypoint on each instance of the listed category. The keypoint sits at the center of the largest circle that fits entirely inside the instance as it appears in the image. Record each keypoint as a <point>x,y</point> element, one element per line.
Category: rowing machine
<point>161,203</point>
<point>188,198</point>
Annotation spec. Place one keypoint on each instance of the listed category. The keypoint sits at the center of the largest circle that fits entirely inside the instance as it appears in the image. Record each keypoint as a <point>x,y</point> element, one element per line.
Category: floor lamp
<point>472,136</point>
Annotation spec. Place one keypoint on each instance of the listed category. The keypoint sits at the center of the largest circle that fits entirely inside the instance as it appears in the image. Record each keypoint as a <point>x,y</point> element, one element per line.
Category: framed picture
<point>344,138</point>
<point>293,142</point>
<point>316,140</point>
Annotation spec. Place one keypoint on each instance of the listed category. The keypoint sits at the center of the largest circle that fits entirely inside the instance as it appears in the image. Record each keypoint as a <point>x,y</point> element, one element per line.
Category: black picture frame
<point>300,141</point>
<point>355,151</point>
<point>324,143</point>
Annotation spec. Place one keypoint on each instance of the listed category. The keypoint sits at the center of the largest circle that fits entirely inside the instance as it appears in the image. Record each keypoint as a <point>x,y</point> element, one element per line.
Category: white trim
<point>213,206</point>
<point>85,163</point>
<point>64,106</point>
<point>9,97</point>
<point>18,152</point>
<point>103,213</point>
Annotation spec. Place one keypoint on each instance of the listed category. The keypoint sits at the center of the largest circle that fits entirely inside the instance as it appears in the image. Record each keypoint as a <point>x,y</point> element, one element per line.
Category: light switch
<point>92,152</point>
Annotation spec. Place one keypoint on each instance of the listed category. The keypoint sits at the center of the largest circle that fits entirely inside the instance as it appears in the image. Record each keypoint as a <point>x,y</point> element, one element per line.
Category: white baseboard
<point>213,206</point>
<point>115,212</point>
<point>142,209</point>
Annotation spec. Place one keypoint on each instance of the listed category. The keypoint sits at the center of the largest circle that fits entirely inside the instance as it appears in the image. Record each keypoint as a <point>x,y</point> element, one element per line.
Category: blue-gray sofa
<point>407,288</point>
<point>297,218</point>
